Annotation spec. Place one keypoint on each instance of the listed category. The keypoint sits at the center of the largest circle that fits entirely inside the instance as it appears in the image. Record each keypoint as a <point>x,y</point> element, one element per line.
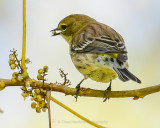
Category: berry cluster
<point>14,63</point>
<point>42,73</point>
<point>38,95</point>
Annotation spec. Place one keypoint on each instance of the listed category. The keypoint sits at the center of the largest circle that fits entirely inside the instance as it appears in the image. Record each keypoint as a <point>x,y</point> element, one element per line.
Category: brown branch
<point>137,93</point>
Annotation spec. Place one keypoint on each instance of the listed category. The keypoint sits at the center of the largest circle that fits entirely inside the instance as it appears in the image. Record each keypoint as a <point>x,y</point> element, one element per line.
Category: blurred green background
<point>138,21</point>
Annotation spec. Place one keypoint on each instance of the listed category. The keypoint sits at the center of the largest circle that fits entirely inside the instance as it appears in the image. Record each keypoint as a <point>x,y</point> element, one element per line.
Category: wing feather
<point>100,45</point>
<point>100,39</point>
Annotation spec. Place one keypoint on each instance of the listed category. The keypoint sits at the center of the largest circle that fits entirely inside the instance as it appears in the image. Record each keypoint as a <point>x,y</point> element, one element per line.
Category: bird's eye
<point>63,27</point>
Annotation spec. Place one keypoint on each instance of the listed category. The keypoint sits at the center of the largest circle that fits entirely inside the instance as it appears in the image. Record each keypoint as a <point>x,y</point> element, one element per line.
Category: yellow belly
<point>86,64</point>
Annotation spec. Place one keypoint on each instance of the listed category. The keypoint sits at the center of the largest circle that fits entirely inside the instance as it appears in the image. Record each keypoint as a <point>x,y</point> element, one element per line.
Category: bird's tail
<point>125,75</point>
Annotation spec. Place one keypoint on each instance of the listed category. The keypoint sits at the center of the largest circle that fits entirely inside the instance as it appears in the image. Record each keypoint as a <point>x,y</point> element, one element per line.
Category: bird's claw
<point>77,91</point>
<point>106,91</point>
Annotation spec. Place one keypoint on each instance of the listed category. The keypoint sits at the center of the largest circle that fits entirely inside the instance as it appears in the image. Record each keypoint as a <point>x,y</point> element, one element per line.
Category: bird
<point>96,49</point>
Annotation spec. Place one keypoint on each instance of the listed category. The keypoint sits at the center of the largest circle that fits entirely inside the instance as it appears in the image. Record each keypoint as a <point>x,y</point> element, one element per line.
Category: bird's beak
<point>56,32</point>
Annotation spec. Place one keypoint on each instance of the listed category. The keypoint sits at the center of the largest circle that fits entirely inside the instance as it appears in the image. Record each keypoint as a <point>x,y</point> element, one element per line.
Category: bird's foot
<point>77,91</point>
<point>106,91</point>
<point>78,88</point>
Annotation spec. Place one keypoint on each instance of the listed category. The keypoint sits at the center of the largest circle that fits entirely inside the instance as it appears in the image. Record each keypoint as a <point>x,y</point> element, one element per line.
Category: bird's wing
<point>102,45</point>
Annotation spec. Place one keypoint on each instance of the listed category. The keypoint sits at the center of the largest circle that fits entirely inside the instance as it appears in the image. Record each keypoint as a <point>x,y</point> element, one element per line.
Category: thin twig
<point>75,113</point>
<point>48,105</point>
<point>23,66</point>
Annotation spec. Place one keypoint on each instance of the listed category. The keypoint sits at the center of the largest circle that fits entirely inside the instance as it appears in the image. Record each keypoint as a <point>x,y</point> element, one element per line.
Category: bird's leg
<point>78,87</point>
<point>107,90</point>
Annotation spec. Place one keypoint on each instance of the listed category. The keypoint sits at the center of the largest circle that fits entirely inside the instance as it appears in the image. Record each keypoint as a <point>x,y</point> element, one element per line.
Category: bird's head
<point>70,25</point>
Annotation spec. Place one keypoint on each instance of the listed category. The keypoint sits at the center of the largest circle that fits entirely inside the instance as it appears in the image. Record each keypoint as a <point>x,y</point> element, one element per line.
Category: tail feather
<point>121,76</point>
<point>125,75</point>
